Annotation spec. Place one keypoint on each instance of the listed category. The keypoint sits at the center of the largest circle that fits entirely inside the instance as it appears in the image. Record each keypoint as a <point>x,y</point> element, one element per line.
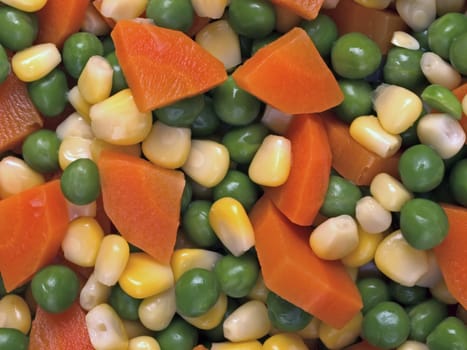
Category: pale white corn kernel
<point>15,313</point>
<point>405,40</point>
<point>26,5</point>
<point>111,259</point>
<point>259,290</point>
<point>335,338</point>
<point>334,238</point>
<point>249,321</point>
<point>441,132</point>
<point>207,163</point>
<point>123,9</point>
<point>35,62</point>
<point>189,258</point>
<point>17,176</point>
<point>311,330</point>
<point>412,345</point>
<point>245,345</point>
<point>99,145</point>
<point>438,71</point>
<point>143,342</point>
<point>330,4</point>
<point>441,292</point>
<point>210,8</point>
<point>73,148</point>
<point>374,4</point>
<point>211,318</point>
<point>272,161</point>
<point>95,80</point>
<point>433,275</point>
<point>105,329</point>
<point>445,6</point>
<point>221,41</point>
<point>74,125</point>
<point>94,22</point>
<point>399,261</point>
<point>117,120</point>
<point>167,146</point>
<point>76,210</point>
<point>389,192</point>
<point>372,216</point>
<point>285,19</point>
<point>135,328</point>
<point>156,312</point>
<point>417,14</point>
<point>79,103</point>
<point>93,293</point>
<point>464,104</point>
<point>368,131</point>
<point>275,120</point>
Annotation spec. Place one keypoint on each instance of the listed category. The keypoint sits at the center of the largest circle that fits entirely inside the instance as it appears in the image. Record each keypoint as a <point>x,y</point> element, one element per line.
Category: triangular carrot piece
<point>307,9</point>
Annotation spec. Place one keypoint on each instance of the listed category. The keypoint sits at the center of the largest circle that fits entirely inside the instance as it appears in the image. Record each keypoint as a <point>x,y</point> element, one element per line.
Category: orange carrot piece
<point>451,253</point>
<point>307,9</point>
<point>33,224</point>
<point>143,201</point>
<point>290,75</point>
<point>302,195</point>
<point>352,160</point>
<point>460,92</point>
<point>162,65</point>
<point>363,345</point>
<point>64,331</point>
<point>59,19</point>
<point>291,269</point>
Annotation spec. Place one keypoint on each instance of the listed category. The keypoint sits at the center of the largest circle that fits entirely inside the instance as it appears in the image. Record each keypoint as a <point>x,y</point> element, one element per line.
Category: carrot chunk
<point>307,9</point>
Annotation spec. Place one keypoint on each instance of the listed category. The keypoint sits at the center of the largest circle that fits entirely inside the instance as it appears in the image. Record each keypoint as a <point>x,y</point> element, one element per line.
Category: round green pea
<point>125,305</point>
<point>357,99</point>
<point>49,94</point>
<point>449,334</point>
<point>181,113</point>
<point>407,295</point>
<point>284,315</point>
<point>323,31</point>
<point>373,291</point>
<point>341,197</point>
<point>13,339</point>
<point>402,67</point>
<point>173,14</point>
<point>422,38</point>
<point>252,18</point>
<point>118,79</point>
<point>243,142</point>
<point>195,224</point>
<point>457,52</point>
<point>4,65</point>
<point>458,183</point>
<point>77,50</point>
<point>424,317</point>
<point>40,151</point>
<point>206,122</point>
<point>443,31</point>
<point>186,196</point>
<point>238,185</point>
<point>179,335</point>
<point>442,99</point>
<point>80,182</point>
<point>18,29</point>
<point>261,42</point>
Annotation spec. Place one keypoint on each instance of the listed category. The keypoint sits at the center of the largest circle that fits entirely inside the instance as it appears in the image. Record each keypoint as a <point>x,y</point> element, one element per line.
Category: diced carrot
<point>33,224</point>
<point>163,65</point>
<point>143,201</point>
<point>59,19</point>
<point>352,160</point>
<point>302,195</point>
<point>63,331</point>
<point>290,75</point>
<point>291,269</point>
<point>451,253</point>
<point>363,345</point>
<point>460,92</point>
<point>307,9</point>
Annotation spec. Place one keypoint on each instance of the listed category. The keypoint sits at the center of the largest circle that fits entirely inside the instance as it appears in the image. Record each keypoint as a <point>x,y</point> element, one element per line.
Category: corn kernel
<point>441,292</point>
<point>144,342</point>
<point>210,8</point>
<point>339,338</point>
<point>389,192</point>
<point>143,276</point>
<point>285,19</point>
<point>433,275</point>
<point>17,176</point>
<point>311,330</point>
<point>94,22</point>
<point>73,148</point>
<point>123,9</point>
<point>232,225</point>
<point>249,321</point>
<point>412,345</point>
<point>246,345</point>
<point>95,80</point>
<point>112,258</point>
<point>445,6</point>
<point>135,328</point>
<point>374,4</point>
<point>26,5</point>
<point>271,163</point>
<point>365,251</point>
<point>417,14</point>
<point>74,125</point>
<point>284,341</point>
<point>117,120</point>
<point>190,258</point>
<point>156,312</point>
<point>211,318</point>
<point>275,120</point>
<point>259,291</point>
<point>372,216</point>
<point>15,313</point>
<point>405,40</point>
<point>438,71</point>
<point>35,62</point>
<point>98,145</point>
<point>167,146</point>
<point>93,293</point>
<point>79,103</point>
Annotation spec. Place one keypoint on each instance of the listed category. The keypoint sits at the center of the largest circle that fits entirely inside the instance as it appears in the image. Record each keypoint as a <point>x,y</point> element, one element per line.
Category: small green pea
<point>206,122</point>
<point>443,30</point>
<point>402,67</point>
<point>237,185</point>
<point>186,196</point>
<point>125,305</point>
<point>458,183</point>
<point>179,335</point>
<point>407,295</point>
<point>4,65</point>
<point>108,44</point>
<point>181,113</point>
<point>13,339</point>
<point>18,29</point>
<point>457,52</point>
<point>424,317</point>
<point>77,50</point>
<point>422,38</point>
<point>243,142</point>
<point>284,315</point>
<point>323,31</point>
<point>450,334</point>
<point>442,99</point>
<point>80,182</point>
<point>195,224</point>
<point>373,291</point>
<point>341,197</point>
<point>49,94</point>
<point>252,18</point>
<point>118,79</point>
<point>173,14</point>
<point>357,99</point>
<point>40,151</point>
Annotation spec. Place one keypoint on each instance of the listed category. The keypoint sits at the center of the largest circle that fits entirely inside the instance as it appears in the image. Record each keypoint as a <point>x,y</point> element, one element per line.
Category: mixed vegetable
<point>243,174</point>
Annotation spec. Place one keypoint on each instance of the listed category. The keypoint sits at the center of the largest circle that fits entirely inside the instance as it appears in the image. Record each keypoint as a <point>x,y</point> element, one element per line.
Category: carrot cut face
<point>291,269</point>
<point>162,65</point>
<point>290,75</point>
<point>143,201</point>
<point>307,9</point>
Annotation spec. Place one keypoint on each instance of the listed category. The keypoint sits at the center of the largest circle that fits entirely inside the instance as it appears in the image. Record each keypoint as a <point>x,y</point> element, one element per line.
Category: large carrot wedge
<point>307,9</point>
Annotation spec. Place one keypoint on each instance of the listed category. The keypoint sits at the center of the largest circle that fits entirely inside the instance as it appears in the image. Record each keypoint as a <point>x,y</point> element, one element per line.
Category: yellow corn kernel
<point>112,258</point>
<point>211,318</point>
<point>144,276</point>
<point>135,329</point>
<point>79,103</point>
<point>275,120</point>
<point>26,5</point>
<point>16,176</point>
<point>93,293</point>
<point>210,8</point>
<point>271,163</point>
<point>105,329</point>
<point>259,290</point>
<point>117,120</point>
<point>461,313</point>
<point>189,258</point>
<point>249,321</point>
<point>284,341</point>
<point>368,131</point>
<point>285,19</point>
<point>397,108</point>
<point>82,241</point>
<point>365,251</point>
<point>246,345</point>
<point>334,238</point>
<point>438,71</point>
<point>232,225</point>
<point>441,132</point>
<point>372,216</point>
<point>98,145</point>
<point>417,14</point>
<point>405,40</point>
<point>144,342</point>
<point>167,146</point>
<point>433,275</point>
<point>311,330</point>
<point>445,6</point>
<point>15,313</point>
<point>95,80</point>
<point>389,192</point>
<point>412,345</point>
<point>35,62</point>
<point>74,125</point>
<point>123,9</point>
<point>156,312</point>
<point>73,148</point>
<point>399,261</point>
<point>94,22</point>
<point>339,338</point>
<point>441,292</point>
<point>76,211</point>
<point>374,4</point>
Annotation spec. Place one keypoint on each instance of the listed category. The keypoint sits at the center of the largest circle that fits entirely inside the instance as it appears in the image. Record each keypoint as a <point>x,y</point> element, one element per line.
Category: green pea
<point>423,223</point>
<point>373,291</point>
<point>186,196</point>
<point>195,224</point>
<point>450,334</point>
<point>341,197</point>
<point>386,325</point>
<point>196,291</point>
<point>355,56</point>
<point>40,151</point>
<point>80,182</point>
<point>234,105</point>
<point>243,142</point>
<point>409,136</point>
<point>49,94</point>
<point>179,335</point>
<point>125,305</point>
<point>421,168</point>
<point>18,29</point>
<point>252,18</point>
<point>284,315</point>
<point>237,185</point>
<point>323,31</point>
<point>77,50</point>
<point>245,46</point>
<point>442,99</point>
<point>407,295</point>
<point>108,44</point>
<point>357,99</point>
<point>173,14</point>
<point>181,113</point>
<point>118,79</point>
<point>4,65</point>
<point>422,38</point>
<point>457,52</point>
<point>13,339</point>
<point>55,288</point>
<point>402,68</point>
<point>206,122</point>
<point>424,317</point>
<point>443,30</point>
<point>457,182</point>
<point>261,42</point>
